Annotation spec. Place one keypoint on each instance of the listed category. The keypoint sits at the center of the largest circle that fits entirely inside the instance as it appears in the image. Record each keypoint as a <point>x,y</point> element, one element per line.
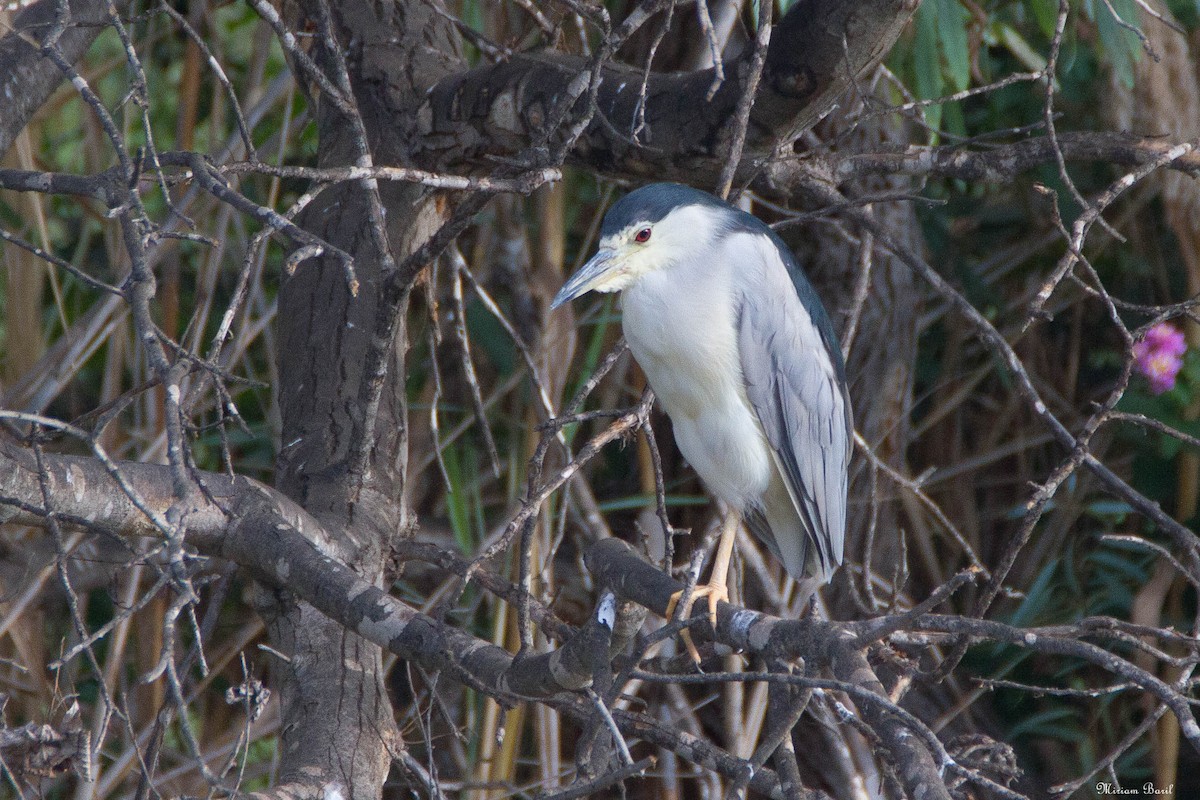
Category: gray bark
<point>817,50</point>
<point>27,78</point>
<point>337,720</point>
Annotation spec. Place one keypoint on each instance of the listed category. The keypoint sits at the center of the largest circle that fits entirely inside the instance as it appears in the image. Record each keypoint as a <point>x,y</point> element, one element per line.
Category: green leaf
<point>1038,599</point>
<point>1045,13</point>
<point>1115,510</point>
<point>457,500</point>
<point>1048,723</point>
<point>1121,46</point>
<point>952,38</point>
<point>1169,447</point>
<point>1117,567</point>
<point>1186,11</point>
<point>927,68</point>
<point>1020,49</point>
<point>1191,368</point>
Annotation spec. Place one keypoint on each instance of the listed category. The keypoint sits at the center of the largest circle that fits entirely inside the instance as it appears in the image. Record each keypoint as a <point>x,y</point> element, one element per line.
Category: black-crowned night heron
<point>739,350</point>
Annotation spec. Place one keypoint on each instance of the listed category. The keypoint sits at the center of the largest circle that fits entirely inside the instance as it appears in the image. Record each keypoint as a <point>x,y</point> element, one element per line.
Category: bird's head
<point>648,229</point>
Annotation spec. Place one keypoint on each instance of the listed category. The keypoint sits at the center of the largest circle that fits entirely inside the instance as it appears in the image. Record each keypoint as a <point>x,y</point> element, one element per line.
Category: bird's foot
<point>715,592</point>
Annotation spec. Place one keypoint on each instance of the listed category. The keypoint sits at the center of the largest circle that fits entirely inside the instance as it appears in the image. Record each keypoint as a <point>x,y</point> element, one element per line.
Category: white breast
<point>687,345</point>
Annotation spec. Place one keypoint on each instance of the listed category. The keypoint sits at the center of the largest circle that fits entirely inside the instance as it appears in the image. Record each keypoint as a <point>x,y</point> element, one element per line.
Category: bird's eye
<point>642,236</point>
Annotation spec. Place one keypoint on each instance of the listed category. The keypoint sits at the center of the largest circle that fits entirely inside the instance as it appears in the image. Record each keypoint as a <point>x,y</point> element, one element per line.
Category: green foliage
<point>947,45</point>
<point>1097,579</point>
<point>1186,11</point>
<point>464,505</point>
<point>1119,44</point>
<point>1175,407</point>
<point>939,60</point>
<point>952,26</point>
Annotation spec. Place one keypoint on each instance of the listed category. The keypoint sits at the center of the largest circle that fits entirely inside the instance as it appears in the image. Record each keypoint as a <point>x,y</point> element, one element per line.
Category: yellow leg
<point>717,588</point>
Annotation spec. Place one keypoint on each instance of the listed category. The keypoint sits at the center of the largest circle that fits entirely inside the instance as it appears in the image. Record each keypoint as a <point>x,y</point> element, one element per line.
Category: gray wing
<point>794,379</point>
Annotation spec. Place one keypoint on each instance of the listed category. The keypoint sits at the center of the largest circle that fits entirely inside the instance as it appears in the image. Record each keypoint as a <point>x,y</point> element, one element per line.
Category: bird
<point>743,357</point>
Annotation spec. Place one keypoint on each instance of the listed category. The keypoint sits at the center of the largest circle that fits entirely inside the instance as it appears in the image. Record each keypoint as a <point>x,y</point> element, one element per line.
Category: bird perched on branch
<point>738,348</point>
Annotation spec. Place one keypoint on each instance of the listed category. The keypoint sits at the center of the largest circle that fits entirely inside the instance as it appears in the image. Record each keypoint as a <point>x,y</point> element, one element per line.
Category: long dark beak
<point>585,279</point>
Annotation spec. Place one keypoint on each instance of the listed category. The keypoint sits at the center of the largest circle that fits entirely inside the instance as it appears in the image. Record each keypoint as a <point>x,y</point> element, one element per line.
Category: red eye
<point>642,236</point>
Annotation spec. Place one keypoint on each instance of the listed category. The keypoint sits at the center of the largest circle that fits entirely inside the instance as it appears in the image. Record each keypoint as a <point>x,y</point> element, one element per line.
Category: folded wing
<point>795,381</point>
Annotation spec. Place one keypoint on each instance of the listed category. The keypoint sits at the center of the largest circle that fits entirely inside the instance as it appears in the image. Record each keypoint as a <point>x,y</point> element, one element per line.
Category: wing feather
<point>795,382</point>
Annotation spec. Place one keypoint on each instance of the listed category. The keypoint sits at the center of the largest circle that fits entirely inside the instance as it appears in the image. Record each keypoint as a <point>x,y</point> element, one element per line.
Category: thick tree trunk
<point>345,468</point>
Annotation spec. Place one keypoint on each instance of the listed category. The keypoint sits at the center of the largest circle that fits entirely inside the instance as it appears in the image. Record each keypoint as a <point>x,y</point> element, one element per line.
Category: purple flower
<point>1159,356</point>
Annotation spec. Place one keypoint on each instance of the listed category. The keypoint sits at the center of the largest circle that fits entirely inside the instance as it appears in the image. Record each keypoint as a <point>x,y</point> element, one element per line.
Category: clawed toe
<point>716,594</point>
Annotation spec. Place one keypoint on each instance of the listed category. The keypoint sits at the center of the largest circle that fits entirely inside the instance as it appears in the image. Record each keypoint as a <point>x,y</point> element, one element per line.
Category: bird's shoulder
<point>782,302</point>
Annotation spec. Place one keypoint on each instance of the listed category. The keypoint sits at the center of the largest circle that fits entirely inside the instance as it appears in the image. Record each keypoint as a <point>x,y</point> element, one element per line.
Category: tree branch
<point>1002,162</point>
<point>27,77</point>
<point>494,111</point>
<point>279,543</point>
